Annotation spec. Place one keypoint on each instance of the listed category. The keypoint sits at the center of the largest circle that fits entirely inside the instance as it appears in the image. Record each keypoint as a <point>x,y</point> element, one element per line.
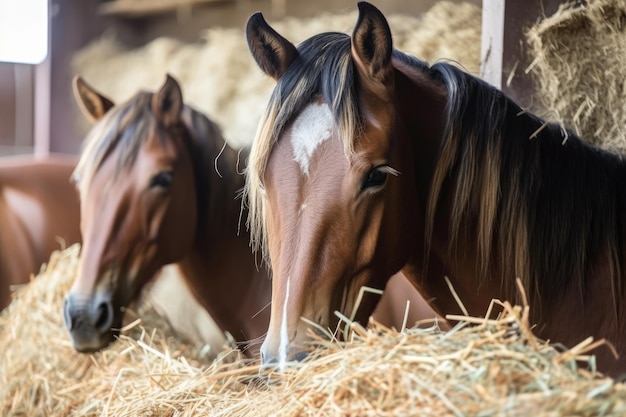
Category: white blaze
<point>284,335</point>
<point>313,126</point>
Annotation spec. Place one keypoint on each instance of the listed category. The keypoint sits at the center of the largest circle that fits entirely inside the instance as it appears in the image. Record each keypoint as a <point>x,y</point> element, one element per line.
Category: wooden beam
<point>492,42</point>
<point>503,48</point>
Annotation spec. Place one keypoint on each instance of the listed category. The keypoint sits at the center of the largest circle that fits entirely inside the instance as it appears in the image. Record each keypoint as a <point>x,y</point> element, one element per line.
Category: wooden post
<point>41,106</point>
<point>492,42</point>
<point>503,49</point>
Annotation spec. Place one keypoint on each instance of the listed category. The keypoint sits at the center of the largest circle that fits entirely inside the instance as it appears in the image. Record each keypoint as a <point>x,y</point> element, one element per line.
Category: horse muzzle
<point>282,356</point>
<point>89,321</point>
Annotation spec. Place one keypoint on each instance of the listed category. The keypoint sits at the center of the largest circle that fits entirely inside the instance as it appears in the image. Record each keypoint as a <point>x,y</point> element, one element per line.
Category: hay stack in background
<point>220,78</point>
<point>579,67</point>
<point>494,368</point>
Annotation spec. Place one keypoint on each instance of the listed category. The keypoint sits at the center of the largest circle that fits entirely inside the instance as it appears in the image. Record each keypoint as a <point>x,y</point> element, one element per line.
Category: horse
<point>368,161</point>
<point>39,213</point>
<point>153,192</point>
<point>159,185</point>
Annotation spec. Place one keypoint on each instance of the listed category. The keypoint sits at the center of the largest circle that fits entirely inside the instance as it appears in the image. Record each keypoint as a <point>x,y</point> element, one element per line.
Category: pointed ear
<point>167,103</point>
<point>93,104</point>
<point>270,50</point>
<point>372,45</point>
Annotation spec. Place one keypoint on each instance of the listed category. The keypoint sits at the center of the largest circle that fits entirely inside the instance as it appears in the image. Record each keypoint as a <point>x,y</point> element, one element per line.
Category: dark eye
<point>162,179</point>
<point>375,178</point>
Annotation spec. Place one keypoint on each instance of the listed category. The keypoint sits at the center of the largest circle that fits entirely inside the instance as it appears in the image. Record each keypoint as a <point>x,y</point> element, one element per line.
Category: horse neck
<point>38,206</point>
<point>500,167</point>
<point>421,105</point>
<point>422,108</point>
<point>16,252</point>
<point>221,269</point>
<point>226,281</point>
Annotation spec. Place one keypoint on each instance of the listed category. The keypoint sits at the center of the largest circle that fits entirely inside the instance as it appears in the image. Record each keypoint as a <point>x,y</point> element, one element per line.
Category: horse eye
<point>375,178</point>
<point>162,179</point>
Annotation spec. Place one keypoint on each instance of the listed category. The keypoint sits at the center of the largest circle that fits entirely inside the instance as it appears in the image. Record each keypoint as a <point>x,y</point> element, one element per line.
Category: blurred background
<point>38,113</point>
<point>37,110</point>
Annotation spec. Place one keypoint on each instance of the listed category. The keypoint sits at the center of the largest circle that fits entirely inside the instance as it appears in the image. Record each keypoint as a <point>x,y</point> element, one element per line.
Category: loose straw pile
<point>493,367</point>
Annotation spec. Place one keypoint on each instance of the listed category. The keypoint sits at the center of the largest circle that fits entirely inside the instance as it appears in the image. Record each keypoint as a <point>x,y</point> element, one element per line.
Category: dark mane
<point>543,201</point>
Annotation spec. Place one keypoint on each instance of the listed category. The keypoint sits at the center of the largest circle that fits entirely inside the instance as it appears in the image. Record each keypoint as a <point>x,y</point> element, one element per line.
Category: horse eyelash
<point>389,170</point>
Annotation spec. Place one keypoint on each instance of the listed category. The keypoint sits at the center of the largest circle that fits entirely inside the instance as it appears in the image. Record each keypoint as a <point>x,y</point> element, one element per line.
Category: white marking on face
<point>302,207</point>
<point>284,336</point>
<point>312,127</point>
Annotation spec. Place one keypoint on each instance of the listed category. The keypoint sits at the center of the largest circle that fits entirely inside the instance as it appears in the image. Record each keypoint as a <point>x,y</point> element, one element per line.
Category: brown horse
<point>39,213</point>
<point>368,162</point>
<point>150,195</point>
<point>158,185</point>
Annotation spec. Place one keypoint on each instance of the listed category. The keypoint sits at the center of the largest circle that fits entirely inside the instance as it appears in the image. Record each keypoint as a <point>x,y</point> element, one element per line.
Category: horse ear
<point>371,43</point>
<point>270,50</point>
<point>93,104</point>
<point>167,103</point>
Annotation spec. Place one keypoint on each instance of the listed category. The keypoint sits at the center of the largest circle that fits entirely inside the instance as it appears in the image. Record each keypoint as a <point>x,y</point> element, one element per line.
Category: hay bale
<point>579,65</point>
<point>220,78</point>
<point>493,368</point>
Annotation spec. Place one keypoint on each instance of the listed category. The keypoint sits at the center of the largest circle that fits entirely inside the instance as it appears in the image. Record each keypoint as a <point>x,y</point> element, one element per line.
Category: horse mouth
<point>90,342</point>
<point>91,326</point>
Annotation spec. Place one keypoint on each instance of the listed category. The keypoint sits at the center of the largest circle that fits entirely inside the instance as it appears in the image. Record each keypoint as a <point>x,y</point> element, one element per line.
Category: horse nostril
<point>104,316</point>
<point>300,356</point>
<point>268,363</point>
<point>67,315</point>
<point>267,360</point>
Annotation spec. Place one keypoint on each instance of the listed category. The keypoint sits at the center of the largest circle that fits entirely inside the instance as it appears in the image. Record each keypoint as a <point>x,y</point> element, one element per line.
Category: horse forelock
<point>323,70</point>
<point>545,227</point>
<point>121,131</point>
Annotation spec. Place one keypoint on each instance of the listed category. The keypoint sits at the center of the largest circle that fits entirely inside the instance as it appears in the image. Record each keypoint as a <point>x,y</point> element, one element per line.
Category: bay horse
<point>159,185</point>
<point>368,161</point>
<point>39,213</point>
<point>150,195</point>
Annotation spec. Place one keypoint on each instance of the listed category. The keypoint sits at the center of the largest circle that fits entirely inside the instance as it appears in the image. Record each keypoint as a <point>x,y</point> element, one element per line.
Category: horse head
<point>135,179</point>
<point>329,178</point>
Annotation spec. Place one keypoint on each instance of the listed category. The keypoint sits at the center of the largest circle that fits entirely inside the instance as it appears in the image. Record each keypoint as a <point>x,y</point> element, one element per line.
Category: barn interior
<point>562,60</point>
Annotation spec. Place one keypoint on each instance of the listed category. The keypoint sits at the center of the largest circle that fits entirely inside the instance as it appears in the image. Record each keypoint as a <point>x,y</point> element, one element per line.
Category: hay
<point>579,62</point>
<point>493,368</point>
<point>40,373</point>
<point>220,78</point>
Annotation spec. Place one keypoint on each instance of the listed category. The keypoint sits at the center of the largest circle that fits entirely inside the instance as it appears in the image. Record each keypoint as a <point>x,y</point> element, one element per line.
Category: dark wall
<point>74,23</point>
<point>519,16</point>
<point>7,104</point>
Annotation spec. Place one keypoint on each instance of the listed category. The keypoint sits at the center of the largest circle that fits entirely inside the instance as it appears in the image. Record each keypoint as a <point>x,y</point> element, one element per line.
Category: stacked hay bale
<point>220,78</point>
<point>493,368</point>
<point>579,64</point>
